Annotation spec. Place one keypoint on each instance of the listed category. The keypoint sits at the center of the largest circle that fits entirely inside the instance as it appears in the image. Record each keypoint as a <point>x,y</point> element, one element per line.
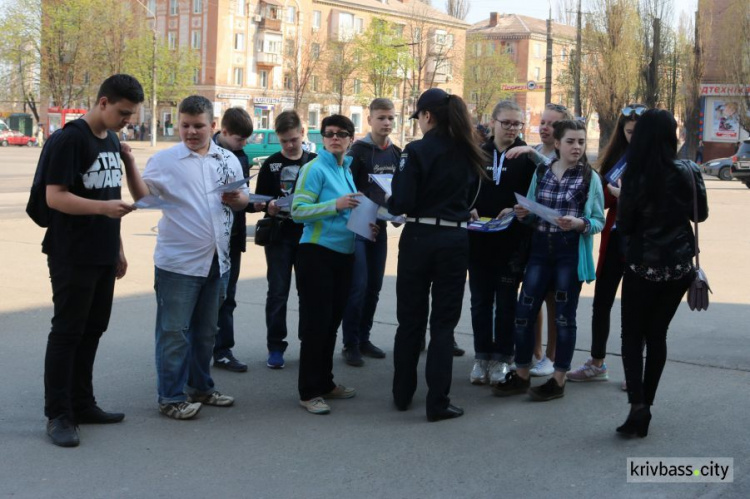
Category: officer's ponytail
<point>453,120</point>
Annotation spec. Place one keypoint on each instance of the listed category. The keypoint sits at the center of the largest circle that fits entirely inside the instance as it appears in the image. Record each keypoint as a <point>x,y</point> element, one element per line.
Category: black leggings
<point>605,289</point>
<point>647,310</point>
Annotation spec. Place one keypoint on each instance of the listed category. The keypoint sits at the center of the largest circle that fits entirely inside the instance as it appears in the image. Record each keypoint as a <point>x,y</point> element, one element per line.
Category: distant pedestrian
<point>699,153</point>
<point>40,135</point>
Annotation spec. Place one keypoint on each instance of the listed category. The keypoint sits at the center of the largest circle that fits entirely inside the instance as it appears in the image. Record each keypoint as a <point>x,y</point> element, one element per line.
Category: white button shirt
<point>199,225</point>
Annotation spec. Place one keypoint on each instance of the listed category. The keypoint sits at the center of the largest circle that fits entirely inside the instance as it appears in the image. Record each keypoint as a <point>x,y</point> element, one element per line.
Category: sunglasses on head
<point>557,107</point>
<point>636,110</point>
<point>340,134</point>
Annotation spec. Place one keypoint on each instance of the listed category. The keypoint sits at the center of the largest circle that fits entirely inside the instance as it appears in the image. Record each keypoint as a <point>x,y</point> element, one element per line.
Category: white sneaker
<point>478,374</point>
<point>588,372</point>
<point>542,368</point>
<point>498,371</point>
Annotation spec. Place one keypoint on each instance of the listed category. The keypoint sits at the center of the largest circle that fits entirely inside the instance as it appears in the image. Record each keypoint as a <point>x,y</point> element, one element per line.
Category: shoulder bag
<point>697,296</point>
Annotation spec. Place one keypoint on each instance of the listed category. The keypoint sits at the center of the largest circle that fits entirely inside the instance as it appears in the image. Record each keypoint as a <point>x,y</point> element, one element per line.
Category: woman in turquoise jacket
<point>324,196</point>
<point>561,256</point>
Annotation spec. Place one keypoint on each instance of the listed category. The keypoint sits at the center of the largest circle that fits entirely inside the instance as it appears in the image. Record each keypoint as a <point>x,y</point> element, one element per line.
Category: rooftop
<point>518,25</point>
<point>407,9</point>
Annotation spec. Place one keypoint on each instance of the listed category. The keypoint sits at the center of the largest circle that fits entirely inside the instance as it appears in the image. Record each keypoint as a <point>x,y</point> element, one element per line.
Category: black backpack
<point>36,207</point>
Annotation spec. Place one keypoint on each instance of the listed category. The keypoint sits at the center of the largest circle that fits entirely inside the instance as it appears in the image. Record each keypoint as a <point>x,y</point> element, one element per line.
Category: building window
<point>357,86</point>
<point>312,118</point>
<point>357,120</point>
<point>291,15</point>
<point>274,47</point>
<point>172,40</point>
<point>346,26</point>
<point>316,19</point>
<point>195,39</point>
<point>239,76</point>
<point>239,41</point>
<point>537,73</point>
<point>359,25</point>
<point>241,7</point>
<point>263,76</point>
<point>315,51</point>
<point>396,89</point>
<point>197,6</point>
<point>173,7</point>
<point>151,8</point>
<point>563,54</point>
<point>196,76</point>
<point>288,82</point>
<point>314,84</point>
<point>538,50</point>
<point>417,35</point>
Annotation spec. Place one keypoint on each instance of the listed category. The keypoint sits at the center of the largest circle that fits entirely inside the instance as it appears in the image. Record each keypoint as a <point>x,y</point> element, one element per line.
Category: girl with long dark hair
<point>655,209</point>
<point>561,256</point>
<point>611,262</point>
<point>434,185</point>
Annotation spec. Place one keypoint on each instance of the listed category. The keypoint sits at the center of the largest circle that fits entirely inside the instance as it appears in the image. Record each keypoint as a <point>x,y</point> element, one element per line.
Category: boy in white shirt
<point>191,258</point>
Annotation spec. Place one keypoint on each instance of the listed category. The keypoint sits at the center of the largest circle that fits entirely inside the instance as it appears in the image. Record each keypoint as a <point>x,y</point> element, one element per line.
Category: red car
<point>14,138</point>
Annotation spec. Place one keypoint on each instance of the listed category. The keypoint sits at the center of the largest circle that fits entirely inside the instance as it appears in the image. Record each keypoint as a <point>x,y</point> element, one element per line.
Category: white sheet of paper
<point>383,180</point>
<point>259,198</point>
<point>285,203</point>
<point>232,186</point>
<point>384,215</point>
<point>544,212</point>
<point>362,216</point>
<point>151,202</point>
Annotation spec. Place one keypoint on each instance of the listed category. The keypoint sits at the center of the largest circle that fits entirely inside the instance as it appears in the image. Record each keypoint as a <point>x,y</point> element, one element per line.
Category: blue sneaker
<point>275,359</point>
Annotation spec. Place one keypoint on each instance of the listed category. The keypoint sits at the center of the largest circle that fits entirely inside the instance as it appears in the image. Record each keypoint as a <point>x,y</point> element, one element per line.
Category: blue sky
<point>480,9</point>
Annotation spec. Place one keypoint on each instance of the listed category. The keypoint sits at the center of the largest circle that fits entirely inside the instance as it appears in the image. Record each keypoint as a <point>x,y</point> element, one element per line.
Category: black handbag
<point>267,231</point>
<point>697,296</point>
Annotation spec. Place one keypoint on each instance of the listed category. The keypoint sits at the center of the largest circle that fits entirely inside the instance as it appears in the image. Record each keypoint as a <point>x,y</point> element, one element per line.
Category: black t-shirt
<point>277,178</point>
<point>91,168</point>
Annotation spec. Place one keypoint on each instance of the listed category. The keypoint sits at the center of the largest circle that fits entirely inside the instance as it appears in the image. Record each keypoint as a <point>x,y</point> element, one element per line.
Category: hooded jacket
<point>368,158</point>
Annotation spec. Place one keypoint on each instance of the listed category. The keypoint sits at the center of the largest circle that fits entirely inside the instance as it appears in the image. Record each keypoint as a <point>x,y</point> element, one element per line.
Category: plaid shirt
<point>566,195</point>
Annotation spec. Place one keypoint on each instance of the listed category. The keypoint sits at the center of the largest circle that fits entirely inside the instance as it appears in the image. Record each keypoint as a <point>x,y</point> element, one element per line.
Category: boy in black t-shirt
<point>236,128</point>
<point>84,251</point>
<point>277,178</point>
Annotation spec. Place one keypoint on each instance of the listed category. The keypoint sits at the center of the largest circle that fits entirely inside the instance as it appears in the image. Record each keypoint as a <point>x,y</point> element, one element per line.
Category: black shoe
<point>513,385</point>
<point>63,432</point>
<point>95,415</point>
<point>636,424</point>
<point>228,362</point>
<point>369,350</point>
<point>458,351</point>
<point>449,412</point>
<point>353,356</point>
<point>402,406</point>
<point>548,391</point>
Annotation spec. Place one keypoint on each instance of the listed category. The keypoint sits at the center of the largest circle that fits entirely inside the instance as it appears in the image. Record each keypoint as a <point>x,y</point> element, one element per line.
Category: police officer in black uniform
<point>434,185</point>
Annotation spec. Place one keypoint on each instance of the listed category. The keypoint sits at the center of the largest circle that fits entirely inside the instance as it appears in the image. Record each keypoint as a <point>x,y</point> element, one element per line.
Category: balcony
<point>438,77</point>
<point>270,24</point>
<point>268,59</point>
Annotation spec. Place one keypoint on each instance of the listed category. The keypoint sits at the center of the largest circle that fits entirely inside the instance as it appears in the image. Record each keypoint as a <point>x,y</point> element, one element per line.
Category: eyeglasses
<point>339,134</point>
<point>556,107</point>
<point>637,110</point>
<point>511,125</point>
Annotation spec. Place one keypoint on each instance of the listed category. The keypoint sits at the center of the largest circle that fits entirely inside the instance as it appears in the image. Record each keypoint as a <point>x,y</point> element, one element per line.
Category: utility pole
<point>548,73</point>
<point>577,72</point>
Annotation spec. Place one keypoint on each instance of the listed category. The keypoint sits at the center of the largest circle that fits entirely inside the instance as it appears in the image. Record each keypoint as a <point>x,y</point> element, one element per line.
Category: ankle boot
<point>637,423</point>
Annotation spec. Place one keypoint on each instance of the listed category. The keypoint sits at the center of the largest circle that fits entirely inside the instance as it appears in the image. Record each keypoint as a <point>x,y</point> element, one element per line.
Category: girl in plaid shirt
<point>561,256</point>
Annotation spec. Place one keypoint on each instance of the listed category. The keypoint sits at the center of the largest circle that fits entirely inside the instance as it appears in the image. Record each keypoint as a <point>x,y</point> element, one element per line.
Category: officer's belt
<point>437,221</point>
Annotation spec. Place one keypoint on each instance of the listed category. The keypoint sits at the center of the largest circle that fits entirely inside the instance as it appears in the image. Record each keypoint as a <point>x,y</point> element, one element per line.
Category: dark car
<point>719,167</point>
<point>741,163</point>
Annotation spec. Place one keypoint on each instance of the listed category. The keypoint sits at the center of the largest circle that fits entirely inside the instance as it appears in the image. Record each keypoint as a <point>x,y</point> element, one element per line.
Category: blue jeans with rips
<point>553,265</point>
<point>367,280</point>
<point>186,324</point>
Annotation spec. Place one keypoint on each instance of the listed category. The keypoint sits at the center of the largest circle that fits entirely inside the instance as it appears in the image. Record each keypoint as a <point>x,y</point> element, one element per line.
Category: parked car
<point>720,167</point>
<point>14,138</point>
<point>262,143</point>
<point>741,163</point>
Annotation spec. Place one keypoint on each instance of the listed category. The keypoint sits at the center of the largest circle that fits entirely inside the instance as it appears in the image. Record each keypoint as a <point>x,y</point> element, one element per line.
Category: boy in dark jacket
<point>375,154</point>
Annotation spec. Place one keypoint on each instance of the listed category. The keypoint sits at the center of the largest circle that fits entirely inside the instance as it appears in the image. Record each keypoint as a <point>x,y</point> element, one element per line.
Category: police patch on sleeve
<point>402,163</point>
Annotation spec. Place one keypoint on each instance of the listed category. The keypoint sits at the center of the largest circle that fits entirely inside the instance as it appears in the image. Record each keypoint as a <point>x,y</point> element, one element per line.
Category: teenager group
<point>440,183</point>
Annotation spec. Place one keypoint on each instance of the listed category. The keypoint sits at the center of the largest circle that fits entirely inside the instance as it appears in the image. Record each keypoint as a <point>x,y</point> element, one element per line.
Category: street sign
<point>531,85</point>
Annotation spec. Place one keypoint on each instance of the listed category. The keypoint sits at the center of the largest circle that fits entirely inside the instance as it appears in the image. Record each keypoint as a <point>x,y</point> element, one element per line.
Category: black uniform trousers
<point>82,297</point>
<point>430,258</point>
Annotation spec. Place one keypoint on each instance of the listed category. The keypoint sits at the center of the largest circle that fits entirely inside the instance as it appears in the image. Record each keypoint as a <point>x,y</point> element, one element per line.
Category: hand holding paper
<point>362,217</point>
<point>544,212</point>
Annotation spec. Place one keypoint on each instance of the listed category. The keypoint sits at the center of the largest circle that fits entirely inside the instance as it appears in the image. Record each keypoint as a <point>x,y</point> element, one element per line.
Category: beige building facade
<point>249,52</point>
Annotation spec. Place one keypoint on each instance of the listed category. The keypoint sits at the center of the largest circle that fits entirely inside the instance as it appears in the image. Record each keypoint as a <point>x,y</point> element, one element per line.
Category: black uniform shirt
<point>434,179</point>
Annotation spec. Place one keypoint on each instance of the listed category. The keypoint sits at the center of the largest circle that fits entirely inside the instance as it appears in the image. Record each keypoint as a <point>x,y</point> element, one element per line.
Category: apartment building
<point>249,51</point>
<point>524,39</point>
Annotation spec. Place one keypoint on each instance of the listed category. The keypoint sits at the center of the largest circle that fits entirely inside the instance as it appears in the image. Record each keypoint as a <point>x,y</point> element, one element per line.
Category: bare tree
<point>344,57</point>
<point>457,8</point>
<point>301,58</point>
<point>566,12</point>
<point>485,71</point>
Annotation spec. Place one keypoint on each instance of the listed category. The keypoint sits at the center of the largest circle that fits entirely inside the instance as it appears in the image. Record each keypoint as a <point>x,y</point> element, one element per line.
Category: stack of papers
<point>492,224</point>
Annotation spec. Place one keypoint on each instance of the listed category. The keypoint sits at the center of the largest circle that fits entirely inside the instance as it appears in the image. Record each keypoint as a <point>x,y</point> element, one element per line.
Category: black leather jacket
<point>658,231</point>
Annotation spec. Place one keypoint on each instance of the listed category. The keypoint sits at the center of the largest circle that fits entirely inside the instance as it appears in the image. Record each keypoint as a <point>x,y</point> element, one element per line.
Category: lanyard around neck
<point>497,167</point>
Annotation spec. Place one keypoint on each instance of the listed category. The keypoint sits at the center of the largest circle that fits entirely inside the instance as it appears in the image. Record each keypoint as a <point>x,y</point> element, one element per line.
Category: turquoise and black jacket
<point>321,182</point>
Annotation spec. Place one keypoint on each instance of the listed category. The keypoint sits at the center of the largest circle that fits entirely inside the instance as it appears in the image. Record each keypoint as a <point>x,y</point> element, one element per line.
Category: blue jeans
<point>225,336</point>
<point>186,316</point>
<point>280,259</point>
<point>494,292</point>
<point>553,264</point>
<point>367,280</point>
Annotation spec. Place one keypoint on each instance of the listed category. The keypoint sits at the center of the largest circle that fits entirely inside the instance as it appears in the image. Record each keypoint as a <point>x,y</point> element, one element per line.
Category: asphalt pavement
<point>266,446</point>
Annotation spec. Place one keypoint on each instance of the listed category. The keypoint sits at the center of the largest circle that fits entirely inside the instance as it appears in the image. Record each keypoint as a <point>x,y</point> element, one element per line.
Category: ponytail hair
<point>452,119</point>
